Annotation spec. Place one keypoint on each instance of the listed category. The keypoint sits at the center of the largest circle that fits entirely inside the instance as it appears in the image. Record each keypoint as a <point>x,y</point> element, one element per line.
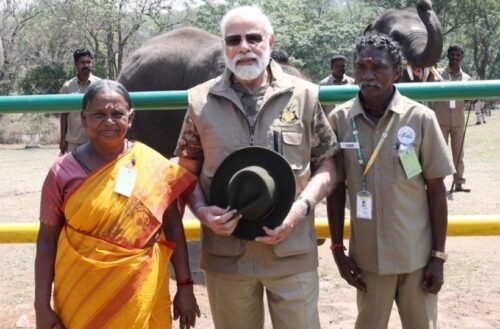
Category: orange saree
<point>104,278</point>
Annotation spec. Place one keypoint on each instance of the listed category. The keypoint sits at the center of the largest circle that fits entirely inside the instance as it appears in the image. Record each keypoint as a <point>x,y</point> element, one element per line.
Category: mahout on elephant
<point>419,32</point>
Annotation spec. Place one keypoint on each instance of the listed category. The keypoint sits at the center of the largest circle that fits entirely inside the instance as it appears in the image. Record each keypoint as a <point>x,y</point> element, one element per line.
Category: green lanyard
<point>377,149</point>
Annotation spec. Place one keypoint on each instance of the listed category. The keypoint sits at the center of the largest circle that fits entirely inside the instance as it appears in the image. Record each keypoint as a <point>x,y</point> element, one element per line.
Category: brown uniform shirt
<point>76,134</point>
<point>330,80</point>
<point>446,114</point>
<point>398,237</point>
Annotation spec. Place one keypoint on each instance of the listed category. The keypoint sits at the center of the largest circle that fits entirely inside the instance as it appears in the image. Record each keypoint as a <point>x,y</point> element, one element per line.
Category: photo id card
<point>409,161</point>
<point>364,204</point>
<point>125,181</point>
<point>453,104</point>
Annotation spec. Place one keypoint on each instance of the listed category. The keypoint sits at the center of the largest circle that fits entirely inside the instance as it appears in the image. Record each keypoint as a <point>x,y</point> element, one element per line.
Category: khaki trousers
<point>417,308</point>
<point>236,301</point>
<point>456,137</point>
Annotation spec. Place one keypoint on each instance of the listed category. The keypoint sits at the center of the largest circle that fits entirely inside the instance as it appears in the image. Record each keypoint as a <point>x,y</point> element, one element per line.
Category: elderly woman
<point>109,221</point>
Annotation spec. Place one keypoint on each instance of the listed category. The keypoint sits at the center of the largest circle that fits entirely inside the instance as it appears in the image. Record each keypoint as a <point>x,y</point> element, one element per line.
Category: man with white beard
<point>253,103</point>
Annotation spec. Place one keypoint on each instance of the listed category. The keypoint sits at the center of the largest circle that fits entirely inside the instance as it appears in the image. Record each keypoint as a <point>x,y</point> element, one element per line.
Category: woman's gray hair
<point>247,11</point>
<point>103,86</point>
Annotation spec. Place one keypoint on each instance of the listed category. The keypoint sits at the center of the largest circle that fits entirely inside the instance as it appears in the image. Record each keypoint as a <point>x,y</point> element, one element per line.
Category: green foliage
<point>311,31</point>
<point>46,79</point>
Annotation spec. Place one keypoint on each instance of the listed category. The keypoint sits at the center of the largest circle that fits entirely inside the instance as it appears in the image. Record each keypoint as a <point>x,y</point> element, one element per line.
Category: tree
<point>46,79</point>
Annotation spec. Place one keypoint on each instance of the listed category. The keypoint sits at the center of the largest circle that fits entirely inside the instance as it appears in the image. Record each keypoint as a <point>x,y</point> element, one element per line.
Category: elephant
<point>176,60</point>
<point>418,31</point>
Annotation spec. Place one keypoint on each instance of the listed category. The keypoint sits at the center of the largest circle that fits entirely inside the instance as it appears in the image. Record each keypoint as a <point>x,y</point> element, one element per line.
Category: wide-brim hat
<point>257,182</point>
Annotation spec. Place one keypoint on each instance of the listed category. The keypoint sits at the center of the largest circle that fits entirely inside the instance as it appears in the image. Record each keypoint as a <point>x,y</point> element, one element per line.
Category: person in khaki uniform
<point>451,115</point>
<point>255,103</point>
<point>72,132</point>
<point>393,161</point>
<point>337,78</point>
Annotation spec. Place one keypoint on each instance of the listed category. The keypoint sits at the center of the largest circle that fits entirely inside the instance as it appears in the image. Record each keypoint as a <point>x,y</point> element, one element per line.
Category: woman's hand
<point>185,307</point>
<point>46,318</point>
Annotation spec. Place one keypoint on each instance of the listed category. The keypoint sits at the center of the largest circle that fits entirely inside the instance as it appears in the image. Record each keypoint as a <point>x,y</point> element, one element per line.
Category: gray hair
<point>252,11</point>
<point>103,86</point>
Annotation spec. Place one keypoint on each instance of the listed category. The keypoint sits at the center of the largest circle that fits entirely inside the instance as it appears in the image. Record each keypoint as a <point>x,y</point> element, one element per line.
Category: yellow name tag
<point>410,163</point>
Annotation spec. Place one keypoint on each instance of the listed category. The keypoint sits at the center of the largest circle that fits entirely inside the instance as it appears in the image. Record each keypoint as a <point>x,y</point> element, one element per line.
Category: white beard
<point>249,72</point>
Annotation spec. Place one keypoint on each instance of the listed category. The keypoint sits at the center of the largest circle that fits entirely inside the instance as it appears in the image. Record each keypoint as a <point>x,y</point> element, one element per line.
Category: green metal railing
<point>161,100</point>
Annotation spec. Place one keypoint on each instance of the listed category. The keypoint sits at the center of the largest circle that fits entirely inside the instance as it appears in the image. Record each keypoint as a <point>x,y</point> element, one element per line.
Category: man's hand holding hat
<point>220,221</point>
<point>280,233</point>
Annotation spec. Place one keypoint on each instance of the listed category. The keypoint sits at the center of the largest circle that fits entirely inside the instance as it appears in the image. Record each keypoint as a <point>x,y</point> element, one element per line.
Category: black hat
<point>258,183</point>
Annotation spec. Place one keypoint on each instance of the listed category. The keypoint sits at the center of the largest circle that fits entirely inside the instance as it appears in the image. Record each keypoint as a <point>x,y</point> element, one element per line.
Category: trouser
<point>236,301</point>
<point>480,116</point>
<point>456,137</point>
<point>417,308</point>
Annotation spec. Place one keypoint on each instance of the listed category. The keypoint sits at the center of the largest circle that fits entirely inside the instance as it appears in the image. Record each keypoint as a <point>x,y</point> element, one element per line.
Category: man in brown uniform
<point>337,78</point>
<point>72,132</point>
<point>393,161</point>
<point>255,103</point>
<point>451,115</point>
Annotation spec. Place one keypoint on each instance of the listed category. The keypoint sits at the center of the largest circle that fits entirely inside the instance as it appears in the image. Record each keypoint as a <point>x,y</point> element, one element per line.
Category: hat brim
<point>278,168</point>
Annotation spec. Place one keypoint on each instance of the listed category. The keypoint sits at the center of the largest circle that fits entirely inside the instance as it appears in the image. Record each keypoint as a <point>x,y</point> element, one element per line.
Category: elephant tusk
<point>426,74</point>
<point>437,76</point>
<point>410,72</point>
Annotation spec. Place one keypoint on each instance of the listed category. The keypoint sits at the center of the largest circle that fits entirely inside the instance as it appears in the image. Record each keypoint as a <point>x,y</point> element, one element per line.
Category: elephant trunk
<point>425,50</point>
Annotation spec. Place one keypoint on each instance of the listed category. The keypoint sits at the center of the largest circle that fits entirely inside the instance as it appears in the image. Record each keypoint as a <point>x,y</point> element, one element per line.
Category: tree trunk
<point>110,55</point>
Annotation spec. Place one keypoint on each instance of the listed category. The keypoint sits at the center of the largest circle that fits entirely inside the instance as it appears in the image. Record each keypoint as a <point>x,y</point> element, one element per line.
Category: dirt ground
<point>470,297</point>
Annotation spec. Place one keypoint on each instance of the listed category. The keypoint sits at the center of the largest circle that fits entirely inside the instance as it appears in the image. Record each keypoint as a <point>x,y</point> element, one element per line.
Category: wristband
<point>308,205</point>
<point>185,283</point>
<point>439,254</point>
<point>337,246</point>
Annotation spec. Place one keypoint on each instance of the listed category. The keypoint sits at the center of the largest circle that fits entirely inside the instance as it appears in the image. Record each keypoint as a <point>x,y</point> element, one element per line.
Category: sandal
<point>459,188</point>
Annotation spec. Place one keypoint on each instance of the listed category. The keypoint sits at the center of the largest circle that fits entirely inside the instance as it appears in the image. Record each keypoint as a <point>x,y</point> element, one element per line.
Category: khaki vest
<point>220,120</point>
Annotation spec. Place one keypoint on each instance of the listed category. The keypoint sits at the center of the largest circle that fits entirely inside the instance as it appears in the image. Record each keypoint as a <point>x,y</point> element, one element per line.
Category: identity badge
<point>364,204</point>
<point>410,163</point>
<point>349,145</point>
<point>125,181</point>
<point>453,104</point>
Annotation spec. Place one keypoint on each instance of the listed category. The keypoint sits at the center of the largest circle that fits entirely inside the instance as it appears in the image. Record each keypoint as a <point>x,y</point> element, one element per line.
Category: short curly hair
<point>81,53</point>
<point>456,47</point>
<point>384,43</point>
<point>280,56</point>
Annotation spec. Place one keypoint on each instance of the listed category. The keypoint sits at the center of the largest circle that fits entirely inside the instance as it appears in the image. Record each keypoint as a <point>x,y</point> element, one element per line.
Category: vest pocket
<point>220,245</point>
<point>292,137</point>
<point>301,241</point>
<point>289,142</point>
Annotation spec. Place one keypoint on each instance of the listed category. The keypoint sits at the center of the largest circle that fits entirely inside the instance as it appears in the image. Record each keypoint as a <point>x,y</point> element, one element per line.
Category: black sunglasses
<point>251,38</point>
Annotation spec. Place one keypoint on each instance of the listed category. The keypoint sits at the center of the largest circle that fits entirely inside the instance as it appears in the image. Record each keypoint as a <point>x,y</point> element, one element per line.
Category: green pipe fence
<point>169,100</point>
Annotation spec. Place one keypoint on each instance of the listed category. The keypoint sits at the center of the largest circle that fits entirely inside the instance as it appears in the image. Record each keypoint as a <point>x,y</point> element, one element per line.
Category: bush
<point>31,129</point>
<point>46,79</point>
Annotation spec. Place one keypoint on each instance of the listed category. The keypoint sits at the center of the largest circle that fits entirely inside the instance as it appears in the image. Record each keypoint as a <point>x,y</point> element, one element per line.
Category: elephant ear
<point>368,29</point>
